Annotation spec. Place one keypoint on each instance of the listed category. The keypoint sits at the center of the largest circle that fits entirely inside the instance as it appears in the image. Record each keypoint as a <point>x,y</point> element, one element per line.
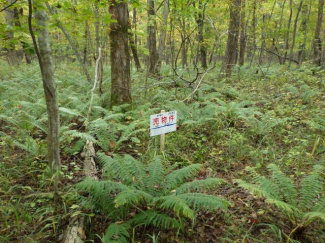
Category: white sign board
<point>163,123</point>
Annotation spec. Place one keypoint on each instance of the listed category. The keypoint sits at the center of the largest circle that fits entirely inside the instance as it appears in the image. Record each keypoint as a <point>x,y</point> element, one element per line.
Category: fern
<point>178,176</point>
<point>176,204</point>
<point>152,188</point>
<point>156,178</point>
<point>116,233</point>
<point>132,197</point>
<point>198,185</point>
<point>152,217</point>
<point>302,204</point>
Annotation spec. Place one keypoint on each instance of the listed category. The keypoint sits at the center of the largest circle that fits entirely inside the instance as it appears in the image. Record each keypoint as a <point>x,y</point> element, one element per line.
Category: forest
<point>162,121</point>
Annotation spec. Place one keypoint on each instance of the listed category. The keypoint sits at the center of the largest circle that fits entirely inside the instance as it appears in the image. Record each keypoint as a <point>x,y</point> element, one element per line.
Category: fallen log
<point>75,232</point>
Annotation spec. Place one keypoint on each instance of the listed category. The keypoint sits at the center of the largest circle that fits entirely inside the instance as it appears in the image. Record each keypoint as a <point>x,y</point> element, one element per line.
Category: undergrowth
<point>249,120</point>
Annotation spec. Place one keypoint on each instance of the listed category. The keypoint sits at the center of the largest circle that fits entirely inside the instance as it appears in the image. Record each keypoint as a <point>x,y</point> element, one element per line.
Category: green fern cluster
<point>161,197</point>
<point>302,204</point>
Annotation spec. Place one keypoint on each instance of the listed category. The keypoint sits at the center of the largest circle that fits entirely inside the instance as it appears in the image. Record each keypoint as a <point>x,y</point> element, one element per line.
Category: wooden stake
<point>162,138</point>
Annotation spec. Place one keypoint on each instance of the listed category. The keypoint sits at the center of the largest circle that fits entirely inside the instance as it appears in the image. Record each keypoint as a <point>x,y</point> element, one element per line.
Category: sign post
<point>162,123</point>
<point>162,138</point>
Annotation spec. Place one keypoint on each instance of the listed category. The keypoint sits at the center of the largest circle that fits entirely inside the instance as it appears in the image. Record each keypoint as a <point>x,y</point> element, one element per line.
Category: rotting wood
<point>75,232</point>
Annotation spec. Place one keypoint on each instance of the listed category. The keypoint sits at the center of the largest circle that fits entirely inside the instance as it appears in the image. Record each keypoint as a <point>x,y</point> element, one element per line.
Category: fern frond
<point>177,177</point>
<point>312,216</point>
<point>132,197</point>
<point>152,217</point>
<point>68,111</point>
<point>311,187</point>
<point>136,169</point>
<point>206,202</point>
<point>320,204</point>
<point>116,233</point>
<point>99,188</point>
<point>114,168</point>
<point>260,192</point>
<point>285,207</point>
<point>197,185</point>
<point>285,184</point>
<point>257,190</point>
<point>177,204</point>
<point>156,175</point>
<point>76,134</point>
<point>265,183</point>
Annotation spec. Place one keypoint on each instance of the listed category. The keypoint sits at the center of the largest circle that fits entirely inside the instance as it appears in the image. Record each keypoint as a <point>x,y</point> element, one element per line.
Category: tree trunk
<point>287,33</point>
<point>50,92</point>
<point>242,35</point>
<point>276,41</point>
<point>134,52</point>
<point>120,56</point>
<point>47,71</point>
<point>10,19</point>
<point>302,46</point>
<point>202,53</point>
<point>26,48</point>
<point>253,38</point>
<point>162,37</point>
<point>260,59</point>
<point>152,39</point>
<point>317,45</point>
<point>294,32</point>
<point>232,42</point>
<point>85,61</point>
<point>98,45</point>
<point>133,41</point>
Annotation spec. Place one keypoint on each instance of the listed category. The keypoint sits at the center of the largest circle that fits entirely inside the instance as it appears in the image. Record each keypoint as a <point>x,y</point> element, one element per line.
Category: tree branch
<point>8,6</point>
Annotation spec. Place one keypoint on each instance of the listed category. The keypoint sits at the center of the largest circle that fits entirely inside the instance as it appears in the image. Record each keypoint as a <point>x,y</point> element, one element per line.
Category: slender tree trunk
<point>232,42</point>
<point>184,42</point>
<point>253,38</point>
<point>135,26</point>
<point>162,37</point>
<point>10,19</point>
<point>50,92</point>
<point>287,34</point>
<point>152,38</point>
<point>47,72</point>
<point>242,35</point>
<point>120,56</point>
<point>134,51</point>
<point>98,45</point>
<point>26,48</point>
<point>260,60</point>
<point>276,41</point>
<point>202,52</point>
<point>133,41</point>
<point>317,45</point>
<point>302,46</point>
<point>294,32</point>
<point>85,61</point>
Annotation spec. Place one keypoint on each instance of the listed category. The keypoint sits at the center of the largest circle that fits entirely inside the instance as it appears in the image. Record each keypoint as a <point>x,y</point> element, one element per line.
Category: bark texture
<point>10,19</point>
<point>152,39</point>
<point>162,37</point>
<point>232,42</point>
<point>47,71</point>
<point>294,32</point>
<point>120,56</point>
<point>202,53</point>
<point>317,39</point>
<point>242,35</point>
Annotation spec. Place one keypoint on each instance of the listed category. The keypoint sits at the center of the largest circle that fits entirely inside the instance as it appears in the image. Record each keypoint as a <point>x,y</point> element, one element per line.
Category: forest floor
<point>285,126</point>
